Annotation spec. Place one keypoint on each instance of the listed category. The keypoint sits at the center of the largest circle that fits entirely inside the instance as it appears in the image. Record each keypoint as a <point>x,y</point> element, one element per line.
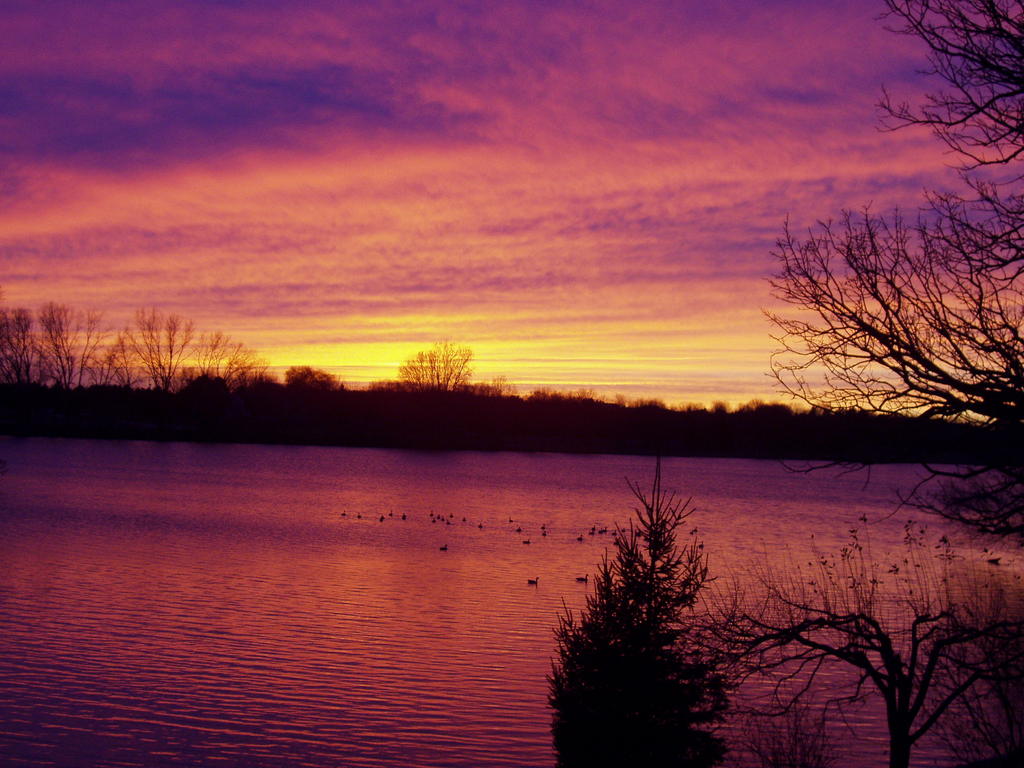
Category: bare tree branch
<point>922,631</point>
<point>444,367</point>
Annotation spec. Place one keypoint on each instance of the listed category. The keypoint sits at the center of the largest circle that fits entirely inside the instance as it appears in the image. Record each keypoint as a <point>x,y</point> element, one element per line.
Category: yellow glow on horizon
<point>627,265</point>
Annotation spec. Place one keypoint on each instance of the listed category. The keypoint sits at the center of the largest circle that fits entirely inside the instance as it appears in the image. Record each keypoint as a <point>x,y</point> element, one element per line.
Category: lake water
<point>225,605</point>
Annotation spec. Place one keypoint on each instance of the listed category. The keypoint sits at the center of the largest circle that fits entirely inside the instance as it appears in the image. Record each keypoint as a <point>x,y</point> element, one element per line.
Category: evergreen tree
<point>630,686</point>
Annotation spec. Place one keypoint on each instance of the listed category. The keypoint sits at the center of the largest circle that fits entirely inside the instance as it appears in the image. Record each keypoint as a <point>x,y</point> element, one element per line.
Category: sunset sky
<point>586,193</point>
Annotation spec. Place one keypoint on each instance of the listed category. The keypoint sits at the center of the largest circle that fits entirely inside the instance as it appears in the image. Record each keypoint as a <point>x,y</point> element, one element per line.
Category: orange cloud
<point>588,197</point>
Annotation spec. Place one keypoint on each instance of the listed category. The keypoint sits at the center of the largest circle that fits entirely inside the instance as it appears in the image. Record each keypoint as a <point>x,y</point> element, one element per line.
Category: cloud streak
<point>570,188</point>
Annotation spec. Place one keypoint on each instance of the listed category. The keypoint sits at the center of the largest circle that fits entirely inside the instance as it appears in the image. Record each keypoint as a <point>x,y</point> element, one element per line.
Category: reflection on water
<point>177,604</point>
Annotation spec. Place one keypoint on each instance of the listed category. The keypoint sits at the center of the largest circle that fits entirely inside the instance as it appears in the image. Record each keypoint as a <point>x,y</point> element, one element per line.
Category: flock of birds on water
<point>513,526</point>
<point>450,519</point>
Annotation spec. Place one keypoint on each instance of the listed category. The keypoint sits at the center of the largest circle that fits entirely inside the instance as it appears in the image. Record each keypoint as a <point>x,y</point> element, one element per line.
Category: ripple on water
<point>171,604</point>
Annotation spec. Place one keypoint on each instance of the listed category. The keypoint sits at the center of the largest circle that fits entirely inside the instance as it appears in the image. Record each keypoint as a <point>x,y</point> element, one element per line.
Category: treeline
<point>63,373</point>
<point>68,348</point>
<point>305,411</point>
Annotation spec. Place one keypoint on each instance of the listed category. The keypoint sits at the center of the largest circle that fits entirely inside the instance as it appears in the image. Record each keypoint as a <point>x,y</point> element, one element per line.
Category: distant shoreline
<point>275,414</point>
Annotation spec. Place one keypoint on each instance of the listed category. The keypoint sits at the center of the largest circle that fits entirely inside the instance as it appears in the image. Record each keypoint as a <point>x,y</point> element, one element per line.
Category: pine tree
<point>630,686</point>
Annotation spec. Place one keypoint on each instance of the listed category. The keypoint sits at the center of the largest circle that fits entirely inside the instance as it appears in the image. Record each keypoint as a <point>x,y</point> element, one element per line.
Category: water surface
<point>180,604</point>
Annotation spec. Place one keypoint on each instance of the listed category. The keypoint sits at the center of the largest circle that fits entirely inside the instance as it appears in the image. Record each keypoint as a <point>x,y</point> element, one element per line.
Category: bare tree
<point>444,367</point>
<point>975,48</point>
<point>920,633</point>
<point>245,368</point>
<point>899,324</point>
<point>117,364</point>
<point>217,355</point>
<point>93,334</point>
<point>988,722</point>
<point>56,343</point>
<point>19,347</point>
<point>68,343</point>
<point>928,318</point>
<point>104,369</point>
<point>160,343</point>
<point>795,738</point>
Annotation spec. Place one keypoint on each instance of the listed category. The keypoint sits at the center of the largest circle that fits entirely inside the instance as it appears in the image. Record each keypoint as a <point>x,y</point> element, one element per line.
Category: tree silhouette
<point>926,317</point>
<point>118,364</point>
<point>975,47</point>
<point>19,348</point>
<point>630,686</point>
<point>796,738</point>
<point>307,377</point>
<point>218,356</point>
<point>444,367</point>
<point>988,720</point>
<point>69,343</point>
<point>922,632</point>
<point>160,343</point>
